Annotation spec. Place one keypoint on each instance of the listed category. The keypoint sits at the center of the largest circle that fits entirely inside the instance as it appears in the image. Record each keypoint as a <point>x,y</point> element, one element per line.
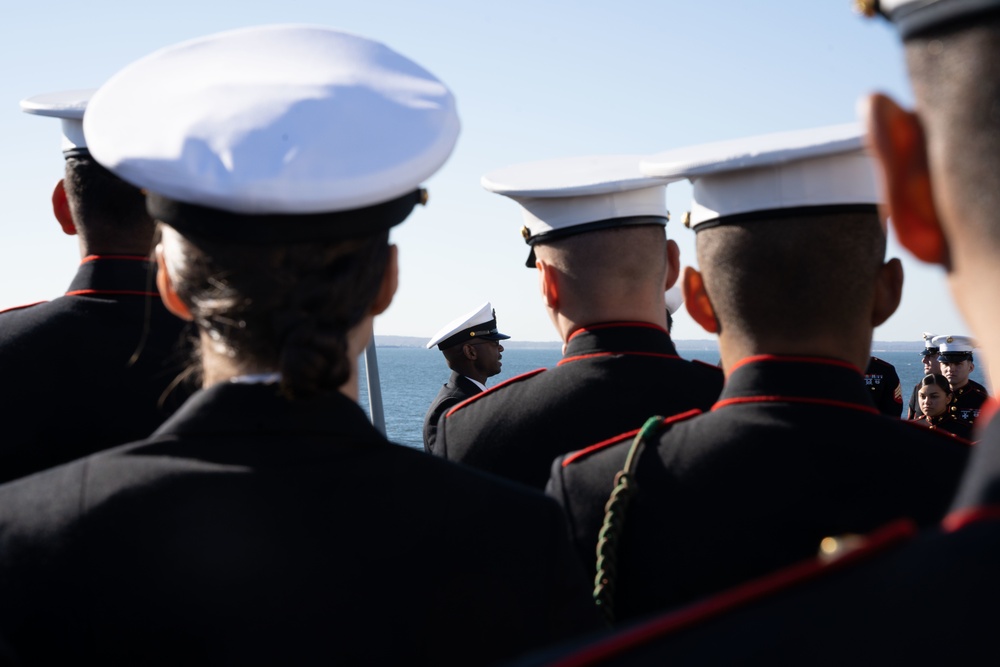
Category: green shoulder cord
<point>614,518</point>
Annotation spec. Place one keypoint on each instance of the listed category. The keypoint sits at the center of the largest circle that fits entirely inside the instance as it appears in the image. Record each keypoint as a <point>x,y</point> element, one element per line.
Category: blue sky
<point>533,80</point>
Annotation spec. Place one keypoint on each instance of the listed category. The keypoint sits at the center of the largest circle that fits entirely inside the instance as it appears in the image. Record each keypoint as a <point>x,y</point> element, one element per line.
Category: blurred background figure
<point>886,392</point>
<point>935,398</point>
<point>957,363</point>
<point>929,355</point>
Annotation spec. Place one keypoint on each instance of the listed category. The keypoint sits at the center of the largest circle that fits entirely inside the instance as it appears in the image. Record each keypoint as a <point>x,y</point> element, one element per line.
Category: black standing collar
<point>121,275</point>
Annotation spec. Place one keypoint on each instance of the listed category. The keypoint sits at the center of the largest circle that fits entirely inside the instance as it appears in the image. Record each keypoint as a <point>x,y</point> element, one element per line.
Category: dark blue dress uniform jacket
<point>792,452</point>
<point>68,386</point>
<point>895,596</point>
<point>882,381</point>
<point>610,379</point>
<point>967,401</point>
<point>254,530</point>
<point>457,389</point>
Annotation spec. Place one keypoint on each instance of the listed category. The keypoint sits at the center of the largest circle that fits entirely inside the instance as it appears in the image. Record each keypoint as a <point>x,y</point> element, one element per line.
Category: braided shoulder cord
<point>614,519</point>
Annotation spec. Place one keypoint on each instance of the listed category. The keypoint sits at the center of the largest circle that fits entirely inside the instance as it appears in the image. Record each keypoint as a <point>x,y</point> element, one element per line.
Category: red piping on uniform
<point>794,399</point>
<point>506,382</point>
<point>657,355</point>
<point>875,542</point>
<point>796,360</point>
<point>961,518</point>
<point>593,448</point>
<point>81,292</point>
<point>614,325</point>
<point>27,305</point>
<point>579,454</point>
<point>133,258</point>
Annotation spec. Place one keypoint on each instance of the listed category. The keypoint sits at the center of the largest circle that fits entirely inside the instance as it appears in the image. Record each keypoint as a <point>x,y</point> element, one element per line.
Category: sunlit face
<point>931,364</point>
<point>488,355</point>
<point>957,372</point>
<point>933,400</point>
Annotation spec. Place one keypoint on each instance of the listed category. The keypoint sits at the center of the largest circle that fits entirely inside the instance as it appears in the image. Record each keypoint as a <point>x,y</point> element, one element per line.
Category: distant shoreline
<point>689,345</point>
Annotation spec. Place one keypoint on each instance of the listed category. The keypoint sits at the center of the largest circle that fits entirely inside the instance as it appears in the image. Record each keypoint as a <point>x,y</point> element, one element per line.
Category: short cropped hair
<point>107,211</point>
<point>802,275</point>
<point>955,72</point>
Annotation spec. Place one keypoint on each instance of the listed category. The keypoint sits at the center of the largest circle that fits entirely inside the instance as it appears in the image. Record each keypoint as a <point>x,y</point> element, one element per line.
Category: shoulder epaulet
<point>27,305</point>
<point>490,391</point>
<point>623,437</point>
<point>847,552</point>
<point>707,365</point>
<point>939,432</point>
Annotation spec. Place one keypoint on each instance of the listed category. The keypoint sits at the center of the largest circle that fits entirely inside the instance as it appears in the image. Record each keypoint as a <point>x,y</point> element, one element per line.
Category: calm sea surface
<point>411,377</point>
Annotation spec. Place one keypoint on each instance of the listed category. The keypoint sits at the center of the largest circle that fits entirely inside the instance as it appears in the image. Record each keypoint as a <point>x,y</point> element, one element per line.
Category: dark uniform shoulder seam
<point>941,433</point>
<point>27,305</point>
<point>493,389</point>
<point>622,437</point>
<point>706,365</point>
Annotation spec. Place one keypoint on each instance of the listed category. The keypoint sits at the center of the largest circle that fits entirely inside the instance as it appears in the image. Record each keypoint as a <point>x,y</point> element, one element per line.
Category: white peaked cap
<point>952,344</point>
<point>480,323</point>
<point>281,119</point>
<point>568,196</point>
<point>915,16</point>
<point>68,106</point>
<point>826,166</point>
<point>674,298</point>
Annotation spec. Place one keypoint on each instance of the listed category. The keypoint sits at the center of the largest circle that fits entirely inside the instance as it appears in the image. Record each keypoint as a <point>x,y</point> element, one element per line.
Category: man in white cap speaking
<point>471,346</point>
<point>268,521</point>
<point>792,277</point>
<point>595,227</point>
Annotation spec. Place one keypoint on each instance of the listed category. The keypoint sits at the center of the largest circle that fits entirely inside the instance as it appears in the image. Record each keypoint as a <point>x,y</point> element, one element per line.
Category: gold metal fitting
<point>687,219</point>
<point>831,548</point>
<point>867,8</point>
<point>525,233</point>
<point>423,197</point>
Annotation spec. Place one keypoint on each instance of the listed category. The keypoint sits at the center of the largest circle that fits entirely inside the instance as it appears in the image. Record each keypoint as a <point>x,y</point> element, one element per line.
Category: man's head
<point>955,357</point>
<point>940,164</point>
<point>108,214</point>
<point>471,343</point>
<point>789,241</point>
<point>929,355</point>
<point>596,230</point>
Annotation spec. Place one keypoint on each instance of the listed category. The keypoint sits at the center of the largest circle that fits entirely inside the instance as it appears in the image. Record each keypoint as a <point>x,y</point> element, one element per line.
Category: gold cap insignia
<point>525,233</point>
<point>423,197</point>
<point>950,339</point>
<point>687,219</point>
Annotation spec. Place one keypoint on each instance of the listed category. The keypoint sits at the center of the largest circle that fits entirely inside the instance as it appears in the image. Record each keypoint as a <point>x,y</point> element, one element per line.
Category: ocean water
<point>411,377</point>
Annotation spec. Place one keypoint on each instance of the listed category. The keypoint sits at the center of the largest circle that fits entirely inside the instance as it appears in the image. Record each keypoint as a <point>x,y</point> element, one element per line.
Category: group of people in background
<point>233,197</point>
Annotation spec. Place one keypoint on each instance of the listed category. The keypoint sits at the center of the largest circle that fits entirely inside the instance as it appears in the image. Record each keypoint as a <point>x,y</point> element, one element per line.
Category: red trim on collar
<point>876,542</point>
<point>27,305</point>
<point>582,453</point>
<point>592,355</point>
<point>614,325</point>
<point>794,399</point>
<point>133,258</point>
<point>84,292</point>
<point>968,515</point>
<point>516,378</point>
<point>793,359</point>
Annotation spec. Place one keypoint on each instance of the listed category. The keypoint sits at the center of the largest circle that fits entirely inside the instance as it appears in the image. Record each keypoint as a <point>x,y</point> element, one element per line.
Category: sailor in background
<point>98,366</point>
<point>886,391</point>
<point>595,227</point>
<point>890,598</point>
<point>967,396</point>
<point>471,346</point>
<point>929,356</point>
<point>267,521</point>
<point>778,463</point>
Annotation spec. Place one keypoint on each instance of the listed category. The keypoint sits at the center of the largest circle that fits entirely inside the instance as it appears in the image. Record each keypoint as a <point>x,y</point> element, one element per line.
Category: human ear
<point>548,282</point>
<point>60,208</point>
<point>696,300</point>
<point>165,285</point>
<point>897,139</point>
<point>390,282</point>
<point>888,291</point>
